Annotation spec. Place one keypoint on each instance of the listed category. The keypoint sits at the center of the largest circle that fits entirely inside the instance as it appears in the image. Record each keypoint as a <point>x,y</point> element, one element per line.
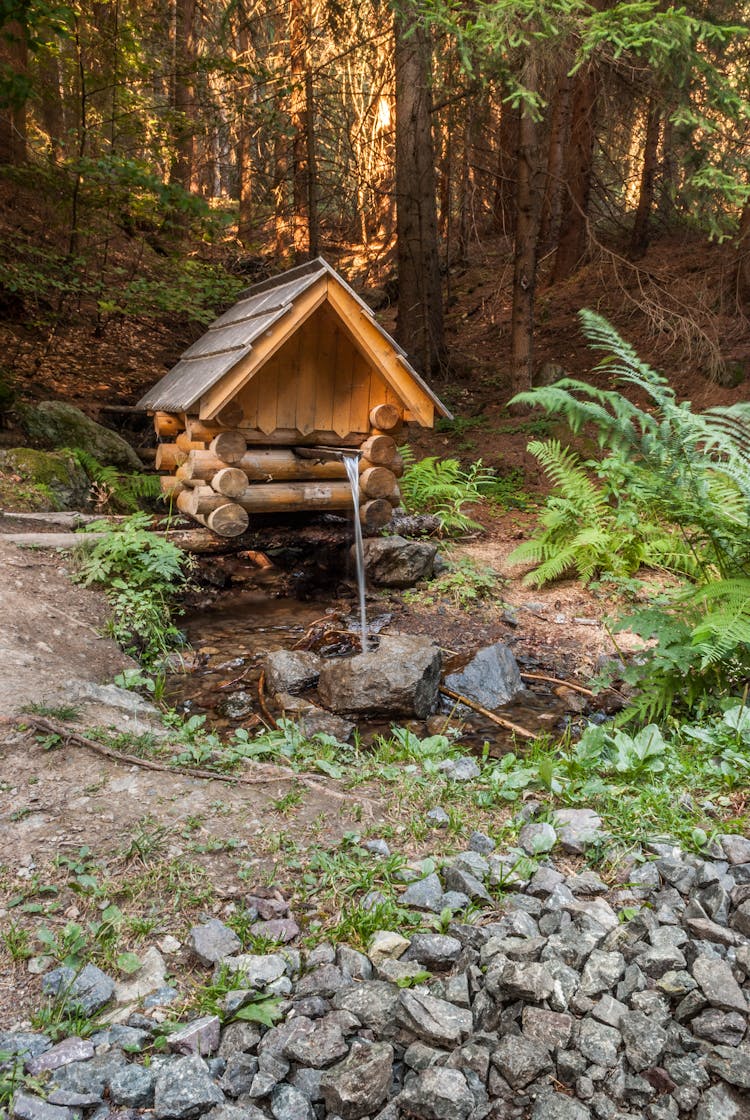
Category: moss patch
<point>41,480</point>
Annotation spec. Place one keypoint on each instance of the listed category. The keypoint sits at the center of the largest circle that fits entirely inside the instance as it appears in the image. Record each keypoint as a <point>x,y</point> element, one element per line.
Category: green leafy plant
<point>443,487</point>
<point>465,584</point>
<point>114,489</point>
<point>672,491</point>
<point>142,574</point>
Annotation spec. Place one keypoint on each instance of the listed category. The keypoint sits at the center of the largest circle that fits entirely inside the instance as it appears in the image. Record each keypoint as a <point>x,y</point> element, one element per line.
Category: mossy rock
<point>57,424</point>
<point>41,480</point>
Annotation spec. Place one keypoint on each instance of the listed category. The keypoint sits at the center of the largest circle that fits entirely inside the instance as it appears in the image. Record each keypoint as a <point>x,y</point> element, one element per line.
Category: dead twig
<point>262,701</point>
<point>556,680</point>
<point>506,723</point>
<point>277,774</point>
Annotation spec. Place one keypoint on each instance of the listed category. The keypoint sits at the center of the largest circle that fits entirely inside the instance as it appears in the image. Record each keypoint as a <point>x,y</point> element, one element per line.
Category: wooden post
<point>385,417</point>
<point>166,425</point>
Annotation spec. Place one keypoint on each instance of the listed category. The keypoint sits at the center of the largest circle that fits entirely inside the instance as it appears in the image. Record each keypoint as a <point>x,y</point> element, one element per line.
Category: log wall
<point>220,475</point>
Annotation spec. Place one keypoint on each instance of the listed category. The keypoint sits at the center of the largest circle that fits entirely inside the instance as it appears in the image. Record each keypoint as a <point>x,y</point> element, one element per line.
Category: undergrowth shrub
<point>142,575</point>
<point>113,489</point>
<point>671,491</point>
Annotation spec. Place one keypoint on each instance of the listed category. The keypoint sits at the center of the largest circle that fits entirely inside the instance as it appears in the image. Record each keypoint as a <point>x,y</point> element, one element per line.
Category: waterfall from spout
<point>351,463</point>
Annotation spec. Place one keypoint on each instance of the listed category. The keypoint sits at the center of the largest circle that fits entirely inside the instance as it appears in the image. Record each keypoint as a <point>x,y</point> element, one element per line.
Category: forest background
<point>158,155</point>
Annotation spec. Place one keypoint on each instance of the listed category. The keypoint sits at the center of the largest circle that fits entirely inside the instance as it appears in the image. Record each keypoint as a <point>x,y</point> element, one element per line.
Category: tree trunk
<point>245,217</point>
<point>420,305</point>
<point>571,245</point>
<point>639,238</point>
<point>527,228</point>
<point>552,200</point>
<point>743,259</point>
<point>14,56</point>
<point>182,167</point>
<point>465,208</point>
<point>506,186</point>
<point>298,114</point>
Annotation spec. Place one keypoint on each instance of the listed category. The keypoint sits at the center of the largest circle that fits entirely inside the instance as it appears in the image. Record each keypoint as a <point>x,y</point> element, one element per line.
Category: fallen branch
<point>506,723</point>
<point>280,773</point>
<point>556,680</point>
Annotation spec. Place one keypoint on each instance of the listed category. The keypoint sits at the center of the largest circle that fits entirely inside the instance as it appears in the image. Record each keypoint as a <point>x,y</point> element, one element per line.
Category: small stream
<point>229,639</point>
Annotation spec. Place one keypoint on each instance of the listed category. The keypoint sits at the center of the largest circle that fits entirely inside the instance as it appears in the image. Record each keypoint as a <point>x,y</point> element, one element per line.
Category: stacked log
<point>219,476</point>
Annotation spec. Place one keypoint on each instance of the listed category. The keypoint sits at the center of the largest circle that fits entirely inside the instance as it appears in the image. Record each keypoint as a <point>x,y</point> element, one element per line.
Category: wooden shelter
<point>255,415</point>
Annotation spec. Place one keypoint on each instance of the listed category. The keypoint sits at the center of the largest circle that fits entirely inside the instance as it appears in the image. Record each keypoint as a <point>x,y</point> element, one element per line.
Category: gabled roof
<point>259,314</point>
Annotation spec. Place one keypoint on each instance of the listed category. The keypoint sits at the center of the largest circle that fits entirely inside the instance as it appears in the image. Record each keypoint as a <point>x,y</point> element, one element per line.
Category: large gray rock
<point>492,677</point>
<point>521,1060</point>
<point>719,985</point>
<point>291,670</point>
<point>722,1103</point>
<point>358,1086</point>
<point>401,677</point>
<point>396,562</point>
<point>185,1089</point>
<point>57,424</point>
<point>434,1020</point>
<point>559,1107</point>
<point>438,1094</point>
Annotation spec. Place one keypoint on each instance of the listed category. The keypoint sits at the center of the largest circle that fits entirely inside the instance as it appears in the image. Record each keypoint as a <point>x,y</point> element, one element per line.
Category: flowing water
<point>351,464</point>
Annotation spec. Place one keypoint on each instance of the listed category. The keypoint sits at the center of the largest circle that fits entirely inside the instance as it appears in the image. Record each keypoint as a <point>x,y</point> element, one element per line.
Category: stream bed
<point>229,638</point>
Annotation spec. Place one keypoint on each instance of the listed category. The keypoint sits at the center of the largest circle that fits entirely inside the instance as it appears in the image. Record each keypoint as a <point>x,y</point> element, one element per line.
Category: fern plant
<point>672,490</point>
<point>443,487</point>
<point>112,488</point>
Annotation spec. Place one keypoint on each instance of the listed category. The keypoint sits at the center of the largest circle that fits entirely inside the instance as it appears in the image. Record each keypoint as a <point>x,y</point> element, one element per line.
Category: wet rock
<point>396,562</point>
<point>357,1086</point>
<point>491,678</point>
<point>90,989</point>
<point>58,424</point>
<point>291,670</point>
<point>184,1089</point>
<point>438,1094</point>
<point>213,941</point>
<point>401,677</point>
<point>237,705</point>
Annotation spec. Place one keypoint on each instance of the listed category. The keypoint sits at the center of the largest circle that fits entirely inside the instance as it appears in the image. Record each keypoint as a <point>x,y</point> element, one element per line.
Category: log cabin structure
<point>255,416</point>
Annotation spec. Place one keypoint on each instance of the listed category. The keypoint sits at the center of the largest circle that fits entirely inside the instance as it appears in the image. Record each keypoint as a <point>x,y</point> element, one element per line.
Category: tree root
<point>276,773</point>
<point>506,723</point>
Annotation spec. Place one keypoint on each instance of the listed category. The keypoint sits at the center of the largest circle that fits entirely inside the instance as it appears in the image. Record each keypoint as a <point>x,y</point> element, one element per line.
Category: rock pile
<point>571,1002</point>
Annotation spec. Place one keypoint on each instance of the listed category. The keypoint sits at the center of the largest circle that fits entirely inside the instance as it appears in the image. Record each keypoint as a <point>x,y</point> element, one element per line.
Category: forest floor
<point>80,830</point>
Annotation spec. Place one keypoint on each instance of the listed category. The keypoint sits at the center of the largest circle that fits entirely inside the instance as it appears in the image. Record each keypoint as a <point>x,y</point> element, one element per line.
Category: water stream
<point>351,465</point>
